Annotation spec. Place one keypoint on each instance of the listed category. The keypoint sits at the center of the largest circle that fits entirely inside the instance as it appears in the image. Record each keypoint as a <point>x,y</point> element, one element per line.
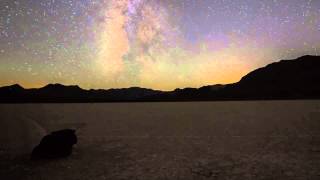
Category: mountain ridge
<point>286,79</point>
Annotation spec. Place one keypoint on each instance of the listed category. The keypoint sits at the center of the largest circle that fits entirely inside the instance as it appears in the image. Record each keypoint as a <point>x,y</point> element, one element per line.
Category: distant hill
<point>287,79</point>
<point>69,94</point>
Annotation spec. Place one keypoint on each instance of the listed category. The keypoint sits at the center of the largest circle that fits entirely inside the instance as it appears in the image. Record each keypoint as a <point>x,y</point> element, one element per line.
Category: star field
<point>159,44</point>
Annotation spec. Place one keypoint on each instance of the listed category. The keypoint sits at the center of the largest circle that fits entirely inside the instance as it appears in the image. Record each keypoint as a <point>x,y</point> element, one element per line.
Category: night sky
<point>159,44</point>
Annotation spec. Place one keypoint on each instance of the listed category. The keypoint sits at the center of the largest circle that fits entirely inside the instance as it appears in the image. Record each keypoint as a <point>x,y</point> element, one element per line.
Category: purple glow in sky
<point>160,44</point>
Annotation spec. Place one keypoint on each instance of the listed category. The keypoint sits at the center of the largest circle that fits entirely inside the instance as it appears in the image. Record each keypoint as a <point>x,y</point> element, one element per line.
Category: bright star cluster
<point>159,44</point>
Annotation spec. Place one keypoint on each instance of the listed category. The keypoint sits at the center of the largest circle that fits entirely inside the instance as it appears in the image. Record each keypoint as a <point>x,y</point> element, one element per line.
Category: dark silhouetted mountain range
<point>287,79</point>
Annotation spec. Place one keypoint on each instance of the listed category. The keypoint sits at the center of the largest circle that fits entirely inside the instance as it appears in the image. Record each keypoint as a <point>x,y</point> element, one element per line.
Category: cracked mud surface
<point>146,141</point>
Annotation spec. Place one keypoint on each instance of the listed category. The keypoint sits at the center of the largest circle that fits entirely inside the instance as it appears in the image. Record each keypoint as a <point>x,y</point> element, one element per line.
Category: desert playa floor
<point>147,141</point>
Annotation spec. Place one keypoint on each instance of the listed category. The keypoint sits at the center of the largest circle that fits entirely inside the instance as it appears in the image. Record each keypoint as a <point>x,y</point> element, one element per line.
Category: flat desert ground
<point>179,140</point>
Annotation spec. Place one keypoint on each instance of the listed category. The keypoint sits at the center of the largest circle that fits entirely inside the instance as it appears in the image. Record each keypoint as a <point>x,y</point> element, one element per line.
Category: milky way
<point>160,44</point>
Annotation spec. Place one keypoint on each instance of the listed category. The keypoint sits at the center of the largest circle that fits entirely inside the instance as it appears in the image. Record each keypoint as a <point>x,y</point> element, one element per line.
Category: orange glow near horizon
<point>102,44</point>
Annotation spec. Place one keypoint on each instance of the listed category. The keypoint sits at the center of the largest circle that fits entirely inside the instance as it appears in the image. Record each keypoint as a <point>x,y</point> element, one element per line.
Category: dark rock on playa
<point>55,145</point>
